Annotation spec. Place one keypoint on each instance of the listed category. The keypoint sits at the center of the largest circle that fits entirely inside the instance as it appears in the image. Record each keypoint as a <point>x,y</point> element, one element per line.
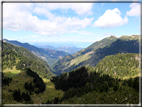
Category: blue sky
<point>77,23</point>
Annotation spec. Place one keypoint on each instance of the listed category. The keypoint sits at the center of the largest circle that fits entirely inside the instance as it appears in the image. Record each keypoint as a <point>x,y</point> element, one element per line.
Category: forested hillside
<point>123,65</point>
<point>91,56</point>
<point>86,85</point>
<point>50,56</point>
<point>23,58</point>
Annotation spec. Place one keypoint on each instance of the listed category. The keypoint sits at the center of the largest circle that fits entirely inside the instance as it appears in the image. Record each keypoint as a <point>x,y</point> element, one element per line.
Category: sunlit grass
<point>11,72</point>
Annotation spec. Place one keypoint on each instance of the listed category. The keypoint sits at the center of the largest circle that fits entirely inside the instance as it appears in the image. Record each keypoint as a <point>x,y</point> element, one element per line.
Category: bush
<point>136,83</point>
<point>116,87</point>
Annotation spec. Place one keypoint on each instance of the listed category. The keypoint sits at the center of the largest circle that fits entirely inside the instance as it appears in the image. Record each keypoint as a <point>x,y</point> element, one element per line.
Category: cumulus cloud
<point>19,17</point>
<point>135,10</point>
<point>110,19</point>
<point>79,8</point>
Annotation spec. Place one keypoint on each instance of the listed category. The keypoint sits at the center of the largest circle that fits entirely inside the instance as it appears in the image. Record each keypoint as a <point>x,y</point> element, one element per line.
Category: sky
<point>80,24</point>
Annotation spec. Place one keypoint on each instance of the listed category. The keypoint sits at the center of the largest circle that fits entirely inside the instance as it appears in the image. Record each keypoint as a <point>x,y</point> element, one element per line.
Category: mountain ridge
<point>90,57</point>
<point>70,50</point>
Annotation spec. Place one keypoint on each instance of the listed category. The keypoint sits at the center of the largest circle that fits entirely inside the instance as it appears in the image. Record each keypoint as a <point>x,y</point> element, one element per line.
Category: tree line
<point>38,84</point>
<point>19,97</point>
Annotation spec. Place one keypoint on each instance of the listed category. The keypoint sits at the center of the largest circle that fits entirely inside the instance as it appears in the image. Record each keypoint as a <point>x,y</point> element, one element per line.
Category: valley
<point>71,53</point>
<point>102,73</point>
<point>50,56</point>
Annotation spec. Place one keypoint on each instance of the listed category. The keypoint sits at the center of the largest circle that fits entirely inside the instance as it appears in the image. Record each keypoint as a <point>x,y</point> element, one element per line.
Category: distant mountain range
<point>70,50</point>
<point>91,55</point>
<point>51,56</point>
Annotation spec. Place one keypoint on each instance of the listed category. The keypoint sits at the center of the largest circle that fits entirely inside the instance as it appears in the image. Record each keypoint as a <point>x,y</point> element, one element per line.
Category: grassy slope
<point>11,72</point>
<point>18,83</point>
<point>81,58</point>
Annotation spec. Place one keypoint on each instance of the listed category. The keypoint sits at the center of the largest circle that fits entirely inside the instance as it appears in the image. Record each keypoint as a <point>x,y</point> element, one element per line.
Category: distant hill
<point>41,45</point>
<point>91,55</point>
<point>23,58</point>
<point>51,56</point>
<point>70,50</point>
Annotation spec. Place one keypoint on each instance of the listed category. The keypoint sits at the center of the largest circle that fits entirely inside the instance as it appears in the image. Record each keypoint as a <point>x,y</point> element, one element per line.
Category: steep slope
<point>119,46</point>
<point>68,62</point>
<point>22,58</point>
<point>91,56</point>
<point>51,56</point>
<point>97,51</point>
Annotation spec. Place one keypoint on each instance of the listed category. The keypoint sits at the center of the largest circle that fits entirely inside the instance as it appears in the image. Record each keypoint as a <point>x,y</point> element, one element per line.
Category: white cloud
<point>19,17</point>
<point>110,19</point>
<point>79,8</point>
<point>135,10</point>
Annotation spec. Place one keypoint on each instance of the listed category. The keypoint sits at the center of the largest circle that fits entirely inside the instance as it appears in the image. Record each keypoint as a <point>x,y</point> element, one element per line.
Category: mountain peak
<point>112,36</point>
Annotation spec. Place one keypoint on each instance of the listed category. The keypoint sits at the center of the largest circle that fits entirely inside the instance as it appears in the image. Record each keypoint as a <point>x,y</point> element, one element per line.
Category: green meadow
<point>11,72</point>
